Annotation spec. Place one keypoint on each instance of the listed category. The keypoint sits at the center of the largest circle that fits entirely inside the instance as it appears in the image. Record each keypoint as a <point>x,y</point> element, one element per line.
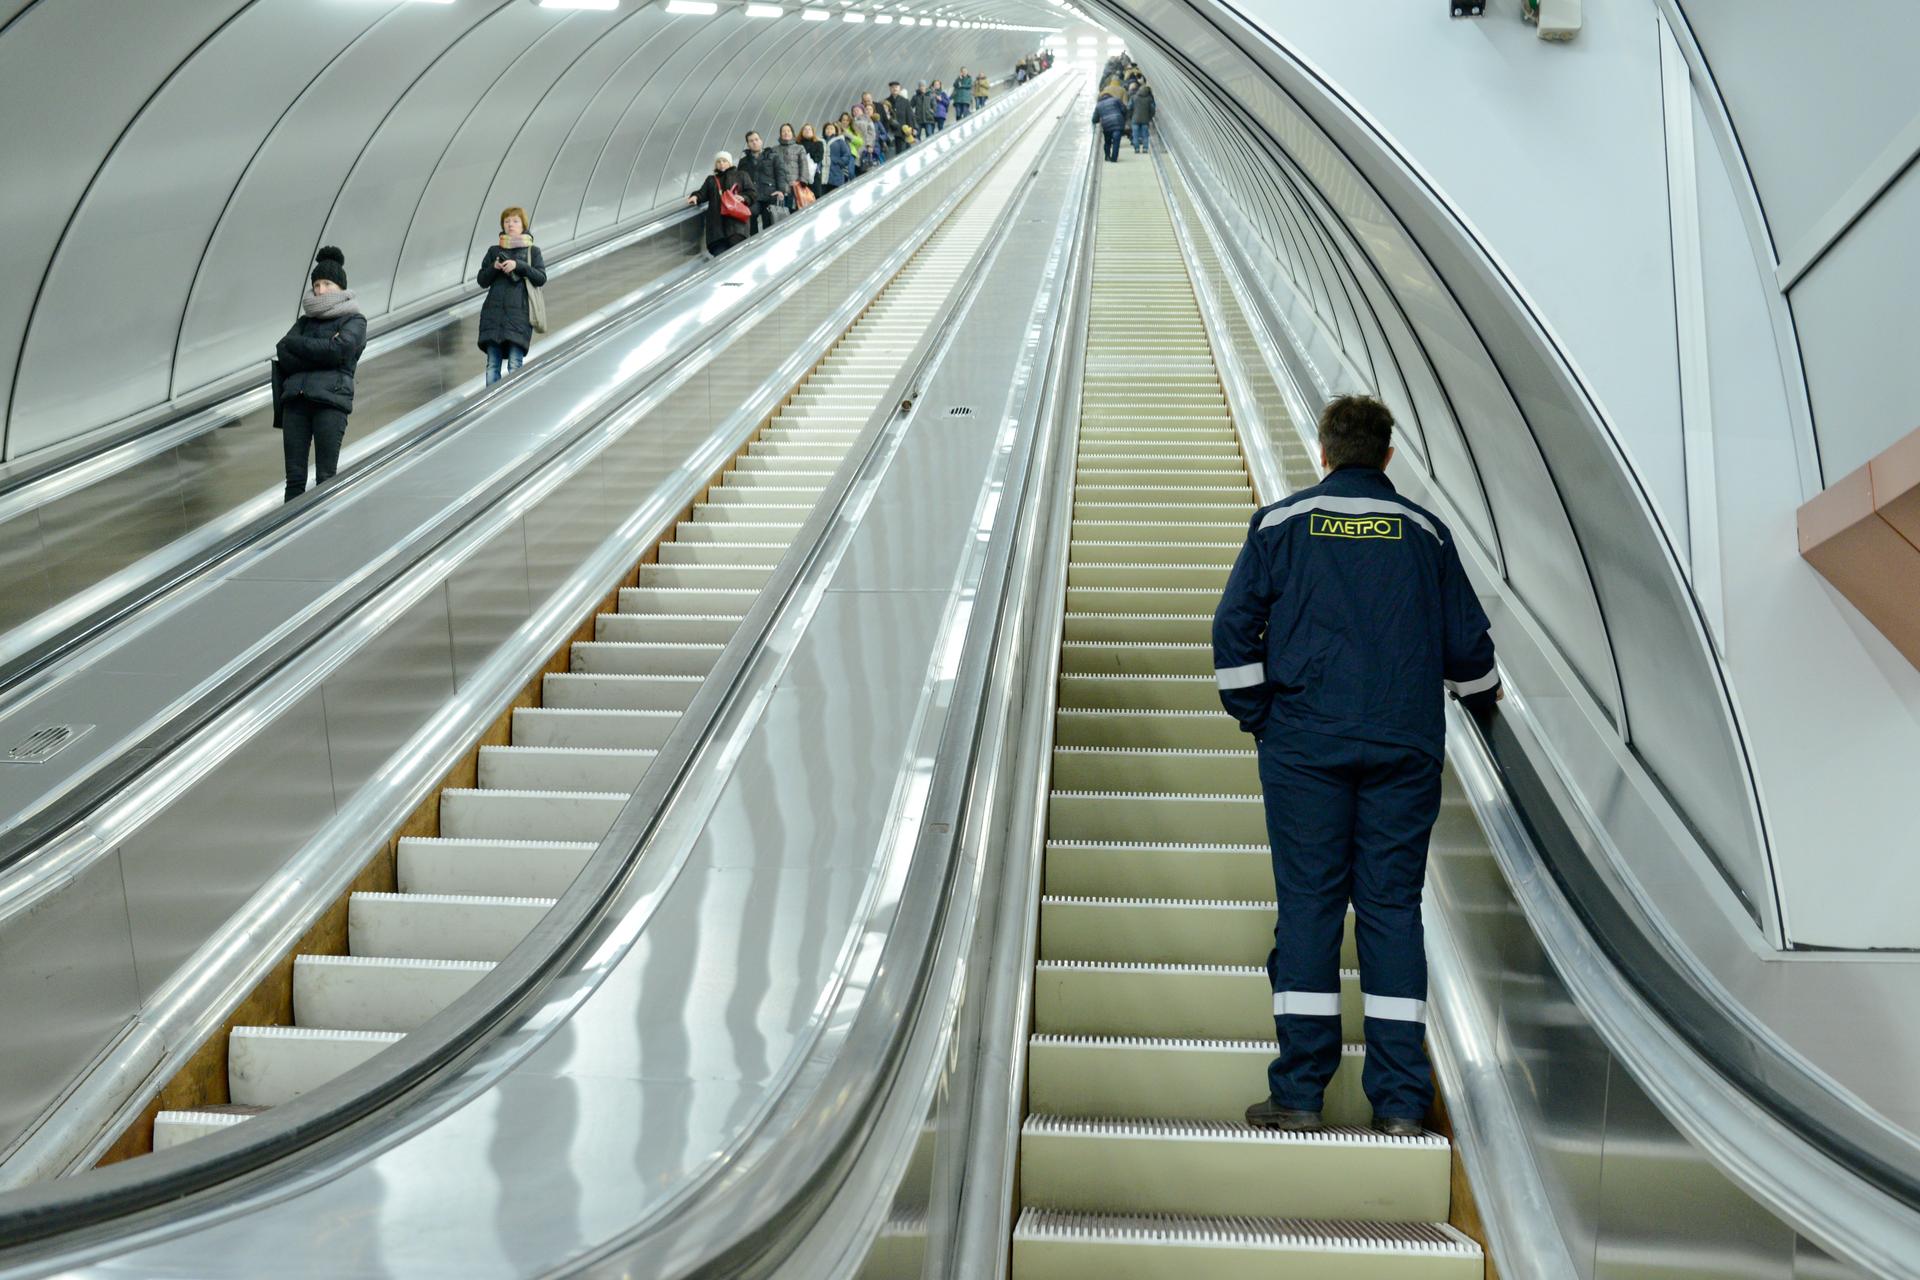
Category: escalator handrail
<point>284,1144</point>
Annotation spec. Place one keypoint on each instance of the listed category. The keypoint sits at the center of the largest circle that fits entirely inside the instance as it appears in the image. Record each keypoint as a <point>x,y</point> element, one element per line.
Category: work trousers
<point>1349,821</point>
<point>308,424</point>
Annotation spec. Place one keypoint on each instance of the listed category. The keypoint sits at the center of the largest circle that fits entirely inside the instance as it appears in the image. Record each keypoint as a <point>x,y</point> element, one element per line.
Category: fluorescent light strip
<point>579,4</point>
<point>765,11</point>
<point>704,8</point>
<point>814,15</point>
<point>850,16</point>
<point>882,19</point>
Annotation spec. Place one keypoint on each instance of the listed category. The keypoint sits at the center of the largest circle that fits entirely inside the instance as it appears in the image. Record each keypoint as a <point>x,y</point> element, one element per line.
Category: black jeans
<point>306,422</point>
<point>763,215</point>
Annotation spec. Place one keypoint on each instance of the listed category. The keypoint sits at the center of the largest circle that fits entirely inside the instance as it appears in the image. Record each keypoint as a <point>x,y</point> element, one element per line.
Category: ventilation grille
<point>44,743</point>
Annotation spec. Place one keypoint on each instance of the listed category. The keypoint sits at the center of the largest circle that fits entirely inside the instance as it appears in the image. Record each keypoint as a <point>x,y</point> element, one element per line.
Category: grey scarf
<point>328,306</point>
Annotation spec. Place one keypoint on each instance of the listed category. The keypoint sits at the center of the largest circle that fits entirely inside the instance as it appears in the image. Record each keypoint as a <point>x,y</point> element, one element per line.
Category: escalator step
<point>1052,1245</point>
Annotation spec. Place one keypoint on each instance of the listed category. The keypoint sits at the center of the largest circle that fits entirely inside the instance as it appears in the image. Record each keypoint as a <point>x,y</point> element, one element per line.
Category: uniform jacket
<point>504,316</point>
<point>317,359</point>
<point>1348,613</point>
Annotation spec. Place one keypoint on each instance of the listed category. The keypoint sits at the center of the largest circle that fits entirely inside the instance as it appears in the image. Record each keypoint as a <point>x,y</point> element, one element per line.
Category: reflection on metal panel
<point>192,867</point>
<point>393,686</point>
<point>66,988</point>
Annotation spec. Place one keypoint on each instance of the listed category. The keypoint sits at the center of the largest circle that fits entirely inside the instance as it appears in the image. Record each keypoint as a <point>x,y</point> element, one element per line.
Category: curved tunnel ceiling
<point>187,158</point>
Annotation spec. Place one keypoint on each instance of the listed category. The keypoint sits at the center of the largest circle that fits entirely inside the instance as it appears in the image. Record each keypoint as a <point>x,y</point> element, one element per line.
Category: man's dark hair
<point>1356,431</point>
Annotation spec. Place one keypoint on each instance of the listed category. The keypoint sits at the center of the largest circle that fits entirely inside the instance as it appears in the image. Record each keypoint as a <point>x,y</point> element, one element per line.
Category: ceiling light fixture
<point>814,15</point>
<point>579,4</point>
<point>765,11</point>
<point>882,19</point>
<point>702,8</point>
<point>853,17</point>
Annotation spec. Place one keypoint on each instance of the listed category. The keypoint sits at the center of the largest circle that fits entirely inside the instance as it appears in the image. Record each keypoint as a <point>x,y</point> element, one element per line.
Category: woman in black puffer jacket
<point>507,270</point>
<point>313,372</point>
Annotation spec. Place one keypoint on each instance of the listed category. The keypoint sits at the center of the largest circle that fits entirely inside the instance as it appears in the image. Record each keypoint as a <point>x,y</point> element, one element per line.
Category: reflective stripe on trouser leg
<point>1309,816</point>
<point>1398,801</point>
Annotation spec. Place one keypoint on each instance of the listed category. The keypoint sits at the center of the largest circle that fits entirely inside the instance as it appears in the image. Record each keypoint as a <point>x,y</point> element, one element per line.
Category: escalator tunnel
<point>876,887</point>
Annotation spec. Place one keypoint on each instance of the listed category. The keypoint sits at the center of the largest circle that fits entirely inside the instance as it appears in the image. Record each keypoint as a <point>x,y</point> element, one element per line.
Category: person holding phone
<point>507,268</point>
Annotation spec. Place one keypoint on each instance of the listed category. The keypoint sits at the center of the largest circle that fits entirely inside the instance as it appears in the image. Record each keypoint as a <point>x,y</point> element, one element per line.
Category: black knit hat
<point>330,264</point>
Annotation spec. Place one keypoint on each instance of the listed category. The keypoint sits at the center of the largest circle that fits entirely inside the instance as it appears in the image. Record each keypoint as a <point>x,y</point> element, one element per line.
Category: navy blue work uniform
<point>1346,615</point>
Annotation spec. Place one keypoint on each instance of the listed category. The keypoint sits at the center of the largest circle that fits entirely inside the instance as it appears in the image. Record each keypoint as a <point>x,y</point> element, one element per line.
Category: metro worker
<point>1346,615</point>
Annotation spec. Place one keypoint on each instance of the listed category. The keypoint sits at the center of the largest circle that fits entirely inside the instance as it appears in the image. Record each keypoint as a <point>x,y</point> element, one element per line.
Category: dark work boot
<point>1398,1126</point>
<point>1268,1114</point>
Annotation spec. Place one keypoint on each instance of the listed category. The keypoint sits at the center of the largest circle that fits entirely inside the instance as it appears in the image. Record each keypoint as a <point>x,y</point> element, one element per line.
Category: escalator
<point>507,847</point>
<point>1151,1010</point>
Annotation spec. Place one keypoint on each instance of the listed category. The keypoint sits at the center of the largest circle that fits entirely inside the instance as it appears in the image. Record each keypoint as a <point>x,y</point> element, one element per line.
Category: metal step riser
<point>1082,658</point>
<point>704,576</point>
<point>268,1066</point>
<point>790,475</point>
<point>629,730</point>
<point>1193,1004</point>
<point>694,533</point>
<point>1206,576</point>
<point>1182,600</point>
<point>1152,629</point>
<point>495,868</point>
<point>1202,731</point>
<point>1153,818</point>
<point>666,628</point>
<point>418,926</point>
<point>634,658</point>
<point>360,993</point>
<point>1166,771</point>
<point>619,693</point>
<point>1166,933</point>
<point>1115,869</point>
<point>763,555</point>
<point>706,600</point>
<point>559,768</point>
<point>1139,1249</point>
<point>528,815</point>
<point>1139,693</point>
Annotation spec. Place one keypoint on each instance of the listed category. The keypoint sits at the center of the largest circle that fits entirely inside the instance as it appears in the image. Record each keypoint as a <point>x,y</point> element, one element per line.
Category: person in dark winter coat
<point>1110,113</point>
<point>840,164</point>
<point>942,106</point>
<point>962,95</point>
<point>507,270</point>
<point>920,111</point>
<point>1142,115</point>
<point>760,168</point>
<point>313,368</point>
<point>790,159</point>
<point>723,232</point>
<point>900,110</point>
<point>816,149</point>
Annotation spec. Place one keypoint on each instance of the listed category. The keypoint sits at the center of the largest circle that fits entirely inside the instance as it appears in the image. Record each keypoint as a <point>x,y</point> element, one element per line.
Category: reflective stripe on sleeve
<point>1396,1008</point>
<point>1466,688</point>
<point>1245,676</point>
<point>1306,1004</point>
<point>1347,507</point>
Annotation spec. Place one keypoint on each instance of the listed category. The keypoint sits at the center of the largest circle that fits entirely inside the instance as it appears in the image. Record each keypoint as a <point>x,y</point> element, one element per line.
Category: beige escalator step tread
<point>693,533</point>
<point>711,600</point>
<point>764,554</point>
<point>1164,930</point>
<point>619,692</point>
<point>1146,692</point>
<point>1181,600</point>
<point>1085,573</point>
<point>1103,727</point>
<point>1192,1001</point>
<point>1140,628</point>
<point>1050,1244</point>
<point>1090,551</point>
<point>1170,1079</point>
<point>1138,657</point>
<point>1156,769</point>
<point>900,1250</point>
<point>1136,869</point>
<point>528,815</point>
<point>440,926</point>
<point>1203,1167</point>
<point>1154,815</point>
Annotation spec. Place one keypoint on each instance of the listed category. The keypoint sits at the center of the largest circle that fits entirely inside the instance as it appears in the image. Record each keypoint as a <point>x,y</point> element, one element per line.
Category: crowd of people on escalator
<point>1124,108</point>
<point>315,364</point>
<point>754,191</point>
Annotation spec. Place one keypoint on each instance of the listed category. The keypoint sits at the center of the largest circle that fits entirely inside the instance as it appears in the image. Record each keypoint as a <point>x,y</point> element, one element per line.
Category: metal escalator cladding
<point>1152,1011</point>
<point>510,845</point>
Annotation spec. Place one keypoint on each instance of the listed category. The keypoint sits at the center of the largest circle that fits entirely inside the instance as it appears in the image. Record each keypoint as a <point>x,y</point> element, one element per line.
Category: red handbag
<point>731,205</point>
